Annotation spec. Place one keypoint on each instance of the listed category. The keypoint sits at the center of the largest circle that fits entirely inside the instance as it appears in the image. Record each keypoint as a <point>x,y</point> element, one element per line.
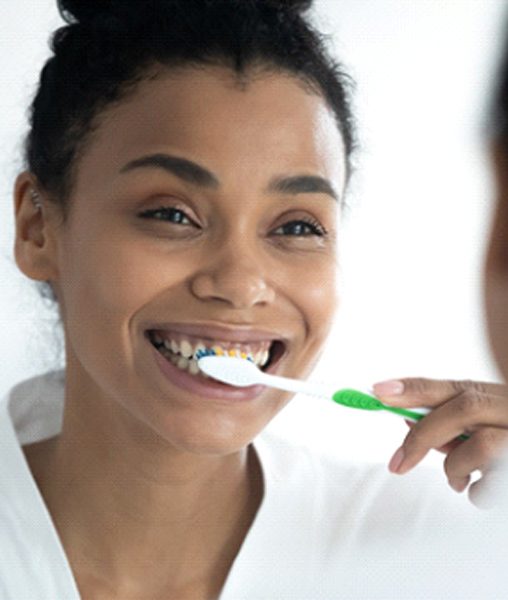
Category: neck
<point>129,510</point>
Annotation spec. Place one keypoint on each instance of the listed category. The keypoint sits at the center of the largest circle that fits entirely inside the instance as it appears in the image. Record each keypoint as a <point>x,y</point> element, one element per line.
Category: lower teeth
<point>185,364</point>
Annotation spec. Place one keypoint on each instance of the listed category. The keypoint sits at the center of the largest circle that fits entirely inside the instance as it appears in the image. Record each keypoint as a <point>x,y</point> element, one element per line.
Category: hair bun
<point>293,5</point>
<point>80,11</point>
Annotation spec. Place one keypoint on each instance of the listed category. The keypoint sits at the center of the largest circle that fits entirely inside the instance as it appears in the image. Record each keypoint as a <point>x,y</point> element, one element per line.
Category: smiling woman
<point>186,165</point>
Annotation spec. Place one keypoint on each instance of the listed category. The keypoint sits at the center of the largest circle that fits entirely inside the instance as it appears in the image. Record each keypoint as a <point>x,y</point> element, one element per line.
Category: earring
<point>36,199</point>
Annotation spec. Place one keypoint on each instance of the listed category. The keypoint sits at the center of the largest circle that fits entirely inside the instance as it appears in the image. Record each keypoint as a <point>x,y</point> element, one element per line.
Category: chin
<point>206,436</point>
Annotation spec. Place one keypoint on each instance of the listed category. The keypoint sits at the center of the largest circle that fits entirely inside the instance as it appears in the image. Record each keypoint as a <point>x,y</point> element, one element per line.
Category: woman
<point>185,168</point>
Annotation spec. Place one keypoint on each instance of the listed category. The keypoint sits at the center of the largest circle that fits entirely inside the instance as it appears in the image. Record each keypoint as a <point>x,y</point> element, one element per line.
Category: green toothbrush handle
<point>404,412</point>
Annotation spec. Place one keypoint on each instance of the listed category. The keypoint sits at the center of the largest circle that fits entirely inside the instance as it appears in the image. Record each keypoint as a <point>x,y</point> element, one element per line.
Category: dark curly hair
<point>109,46</point>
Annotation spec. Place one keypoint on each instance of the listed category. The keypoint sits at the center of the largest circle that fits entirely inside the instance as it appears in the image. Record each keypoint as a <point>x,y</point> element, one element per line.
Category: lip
<point>215,332</point>
<point>210,389</point>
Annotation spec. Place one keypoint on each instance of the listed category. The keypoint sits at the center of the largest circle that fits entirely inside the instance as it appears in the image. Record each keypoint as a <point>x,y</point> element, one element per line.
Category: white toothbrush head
<point>239,372</point>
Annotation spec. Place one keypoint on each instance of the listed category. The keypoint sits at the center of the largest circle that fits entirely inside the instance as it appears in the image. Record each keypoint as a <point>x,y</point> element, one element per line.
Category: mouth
<point>181,350</point>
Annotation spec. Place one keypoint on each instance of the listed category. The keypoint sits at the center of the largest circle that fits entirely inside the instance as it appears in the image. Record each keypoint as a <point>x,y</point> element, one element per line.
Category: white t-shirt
<point>326,529</point>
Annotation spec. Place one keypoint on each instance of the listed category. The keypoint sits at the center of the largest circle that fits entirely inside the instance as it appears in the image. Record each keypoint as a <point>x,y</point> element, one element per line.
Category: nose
<point>236,277</point>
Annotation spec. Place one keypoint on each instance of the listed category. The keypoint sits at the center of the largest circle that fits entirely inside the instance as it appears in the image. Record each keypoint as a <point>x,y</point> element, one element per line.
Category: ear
<point>35,248</point>
<point>497,255</point>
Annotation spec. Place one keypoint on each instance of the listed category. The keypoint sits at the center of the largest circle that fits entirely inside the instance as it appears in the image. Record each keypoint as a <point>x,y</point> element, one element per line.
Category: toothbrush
<point>242,372</point>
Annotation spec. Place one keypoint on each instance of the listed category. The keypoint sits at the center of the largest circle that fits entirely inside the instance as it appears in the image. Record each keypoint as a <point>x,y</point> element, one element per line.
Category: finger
<point>446,448</point>
<point>459,485</point>
<point>433,431</point>
<point>445,423</point>
<point>418,391</point>
<point>450,446</point>
<point>477,453</point>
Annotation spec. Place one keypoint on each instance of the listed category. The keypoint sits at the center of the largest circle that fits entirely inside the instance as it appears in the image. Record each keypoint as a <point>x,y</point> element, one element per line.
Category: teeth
<point>182,363</point>
<point>193,367</point>
<point>182,353</point>
<point>264,358</point>
<point>186,349</point>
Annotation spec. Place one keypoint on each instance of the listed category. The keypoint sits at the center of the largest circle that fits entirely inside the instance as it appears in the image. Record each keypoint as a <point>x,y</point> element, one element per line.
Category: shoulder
<point>35,406</point>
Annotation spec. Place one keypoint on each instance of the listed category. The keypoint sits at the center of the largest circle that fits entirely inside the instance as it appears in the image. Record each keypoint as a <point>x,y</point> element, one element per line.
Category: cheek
<point>322,300</point>
<point>107,280</point>
<point>315,292</point>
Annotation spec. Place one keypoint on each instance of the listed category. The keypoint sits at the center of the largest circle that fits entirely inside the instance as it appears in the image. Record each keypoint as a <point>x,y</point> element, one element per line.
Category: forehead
<point>208,114</point>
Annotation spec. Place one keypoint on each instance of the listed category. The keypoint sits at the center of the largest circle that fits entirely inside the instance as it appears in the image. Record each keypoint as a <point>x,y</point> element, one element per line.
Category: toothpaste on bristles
<point>218,351</point>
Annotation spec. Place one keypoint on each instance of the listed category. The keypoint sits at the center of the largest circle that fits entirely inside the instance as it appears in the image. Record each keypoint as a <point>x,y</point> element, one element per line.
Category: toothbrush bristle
<point>205,352</point>
<point>222,370</point>
<point>218,351</point>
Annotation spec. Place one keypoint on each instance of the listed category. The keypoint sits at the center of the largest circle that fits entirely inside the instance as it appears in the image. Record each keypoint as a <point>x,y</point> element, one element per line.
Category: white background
<point>413,240</point>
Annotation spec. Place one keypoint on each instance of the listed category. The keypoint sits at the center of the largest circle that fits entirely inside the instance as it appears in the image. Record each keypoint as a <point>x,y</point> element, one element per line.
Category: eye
<point>169,214</point>
<point>301,228</point>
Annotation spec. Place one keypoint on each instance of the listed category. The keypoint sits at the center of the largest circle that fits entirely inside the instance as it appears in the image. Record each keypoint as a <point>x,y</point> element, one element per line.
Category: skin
<point>496,265</point>
<point>478,409</point>
<point>139,460</point>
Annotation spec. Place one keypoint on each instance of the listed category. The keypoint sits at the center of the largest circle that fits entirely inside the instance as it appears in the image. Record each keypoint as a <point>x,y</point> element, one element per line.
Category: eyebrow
<point>185,169</point>
<point>303,184</point>
<point>195,174</point>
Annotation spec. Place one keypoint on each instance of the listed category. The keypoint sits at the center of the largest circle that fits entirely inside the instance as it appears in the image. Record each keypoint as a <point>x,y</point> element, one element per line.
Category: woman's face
<point>199,213</point>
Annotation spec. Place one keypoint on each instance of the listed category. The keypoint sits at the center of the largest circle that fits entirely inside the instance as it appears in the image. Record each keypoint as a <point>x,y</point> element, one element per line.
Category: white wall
<point>414,238</point>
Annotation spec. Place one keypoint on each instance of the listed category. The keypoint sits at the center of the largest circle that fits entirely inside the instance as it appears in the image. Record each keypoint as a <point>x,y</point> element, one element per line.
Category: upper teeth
<point>188,349</point>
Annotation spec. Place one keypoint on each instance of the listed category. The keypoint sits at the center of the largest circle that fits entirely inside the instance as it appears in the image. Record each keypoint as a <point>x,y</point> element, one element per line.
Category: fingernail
<point>389,388</point>
<point>396,460</point>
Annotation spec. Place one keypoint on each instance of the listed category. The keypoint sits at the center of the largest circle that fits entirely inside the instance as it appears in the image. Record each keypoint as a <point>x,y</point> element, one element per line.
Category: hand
<point>479,410</point>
